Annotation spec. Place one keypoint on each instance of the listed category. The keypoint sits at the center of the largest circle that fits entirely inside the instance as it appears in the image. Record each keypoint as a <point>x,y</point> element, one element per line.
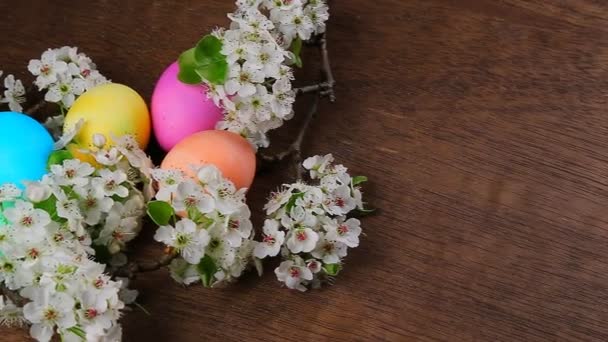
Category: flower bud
<point>99,140</point>
<point>113,248</point>
<point>37,192</point>
<point>313,265</point>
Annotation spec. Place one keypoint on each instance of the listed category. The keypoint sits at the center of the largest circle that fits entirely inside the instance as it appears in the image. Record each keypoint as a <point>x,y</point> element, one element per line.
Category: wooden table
<point>482,126</point>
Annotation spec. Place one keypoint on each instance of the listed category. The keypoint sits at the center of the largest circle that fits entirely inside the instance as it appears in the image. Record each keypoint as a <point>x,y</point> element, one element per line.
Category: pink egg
<point>179,109</point>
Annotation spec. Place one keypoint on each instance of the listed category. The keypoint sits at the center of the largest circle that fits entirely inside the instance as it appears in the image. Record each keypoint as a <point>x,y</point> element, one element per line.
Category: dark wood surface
<point>483,127</point>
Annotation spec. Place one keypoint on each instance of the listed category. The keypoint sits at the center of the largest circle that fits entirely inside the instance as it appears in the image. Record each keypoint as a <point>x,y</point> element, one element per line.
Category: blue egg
<point>25,147</point>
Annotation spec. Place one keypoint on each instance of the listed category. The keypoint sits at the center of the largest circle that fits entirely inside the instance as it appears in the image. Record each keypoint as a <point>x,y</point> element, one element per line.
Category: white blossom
<point>329,251</point>
<point>318,165</point>
<point>340,201</point>
<point>183,272</point>
<point>47,249</point>
<point>277,200</point>
<point>128,146</point>
<point>27,222</point>
<point>267,58</point>
<point>14,93</point>
<point>293,275</point>
<point>68,135</point>
<point>313,219</point>
<point>94,203</point>
<point>186,238</point>
<point>295,23</point>
<point>65,90</point>
<point>65,74</point>
<point>239,226</point>
<point>272,240</point>
<point>108,157</point>
<point>47,68</point>
<point>72,172</point>
<point>110,183</point>
<point>190,195</point>
<point>346,232</point>
<point>52,309</point>
<point>258,96</point>
<point>168,180</point>
<point>9,192</point>
<point>218,228</point>
<point>241,80</point>
<point>99,140</point>
<point>302,240</point>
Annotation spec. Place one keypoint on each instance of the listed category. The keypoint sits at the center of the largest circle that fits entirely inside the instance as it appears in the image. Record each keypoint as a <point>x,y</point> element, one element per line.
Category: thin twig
<point>13,296</point>
<point>295,148</point>
<point>36,107</point>
<point>325,88</point>
<point>326,65</point>
<point>313,88</point>
<point>297,144</point>
<point>134,267</point>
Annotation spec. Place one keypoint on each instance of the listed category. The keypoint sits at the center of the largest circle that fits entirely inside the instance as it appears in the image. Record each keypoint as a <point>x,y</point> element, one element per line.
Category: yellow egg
<point>112,110</point>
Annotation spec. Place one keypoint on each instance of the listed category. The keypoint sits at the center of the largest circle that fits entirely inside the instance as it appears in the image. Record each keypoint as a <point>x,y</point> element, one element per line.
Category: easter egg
<point>25,146</point>
<point>229,152</point>
<point>180,109</point>
<point>110,109</point>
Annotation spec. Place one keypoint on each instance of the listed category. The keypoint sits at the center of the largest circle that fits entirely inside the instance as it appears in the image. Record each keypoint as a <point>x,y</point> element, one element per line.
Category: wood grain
<point>482,125</point>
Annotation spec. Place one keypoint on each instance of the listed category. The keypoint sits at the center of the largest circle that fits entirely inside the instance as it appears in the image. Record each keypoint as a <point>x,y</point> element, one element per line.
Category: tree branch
<point>297,144</point>
<point>35,107</point>
<point>132,268</point>
<point>322,89</point>
<point>326,87</point>
<point>13,296</point>
<point>319,87</point>
<point>326,65</point>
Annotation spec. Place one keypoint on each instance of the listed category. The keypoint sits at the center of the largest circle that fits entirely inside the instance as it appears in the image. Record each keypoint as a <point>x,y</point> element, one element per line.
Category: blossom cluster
<point>296,18</point>
<point>14,93</point>
<point>310,224</point>
<point>57,235</point>
<point>257,95</point>
<point>48,262</point>
<point>207,225</point>
<point>65,74</point>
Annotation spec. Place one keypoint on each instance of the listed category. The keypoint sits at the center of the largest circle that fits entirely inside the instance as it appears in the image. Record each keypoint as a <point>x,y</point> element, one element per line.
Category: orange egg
<point>229,152</point>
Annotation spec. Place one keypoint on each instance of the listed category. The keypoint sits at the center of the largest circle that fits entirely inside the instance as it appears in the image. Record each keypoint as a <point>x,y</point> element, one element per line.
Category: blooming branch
<point>131,269</point>
<point>63,238</point>
<point>310,224</point>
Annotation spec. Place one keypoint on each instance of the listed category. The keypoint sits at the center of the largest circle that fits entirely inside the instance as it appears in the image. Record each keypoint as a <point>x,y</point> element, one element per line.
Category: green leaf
<point>160,212</point>
<point>49,205</point>
<point>208,47</point>
<point>199,218</point>
<point>194,214</point>
<point>78,331</point>
<point>216,72</point>
<point>296,48</point>
<point>187,66</point>
<point>207,61</point>
<point>298,61</point>
<point>206,269</point>
<point>366,211</point>
<point>332,269</point>
<point>292,200</point>
<point>57,158</point>
<point>358,180</point>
